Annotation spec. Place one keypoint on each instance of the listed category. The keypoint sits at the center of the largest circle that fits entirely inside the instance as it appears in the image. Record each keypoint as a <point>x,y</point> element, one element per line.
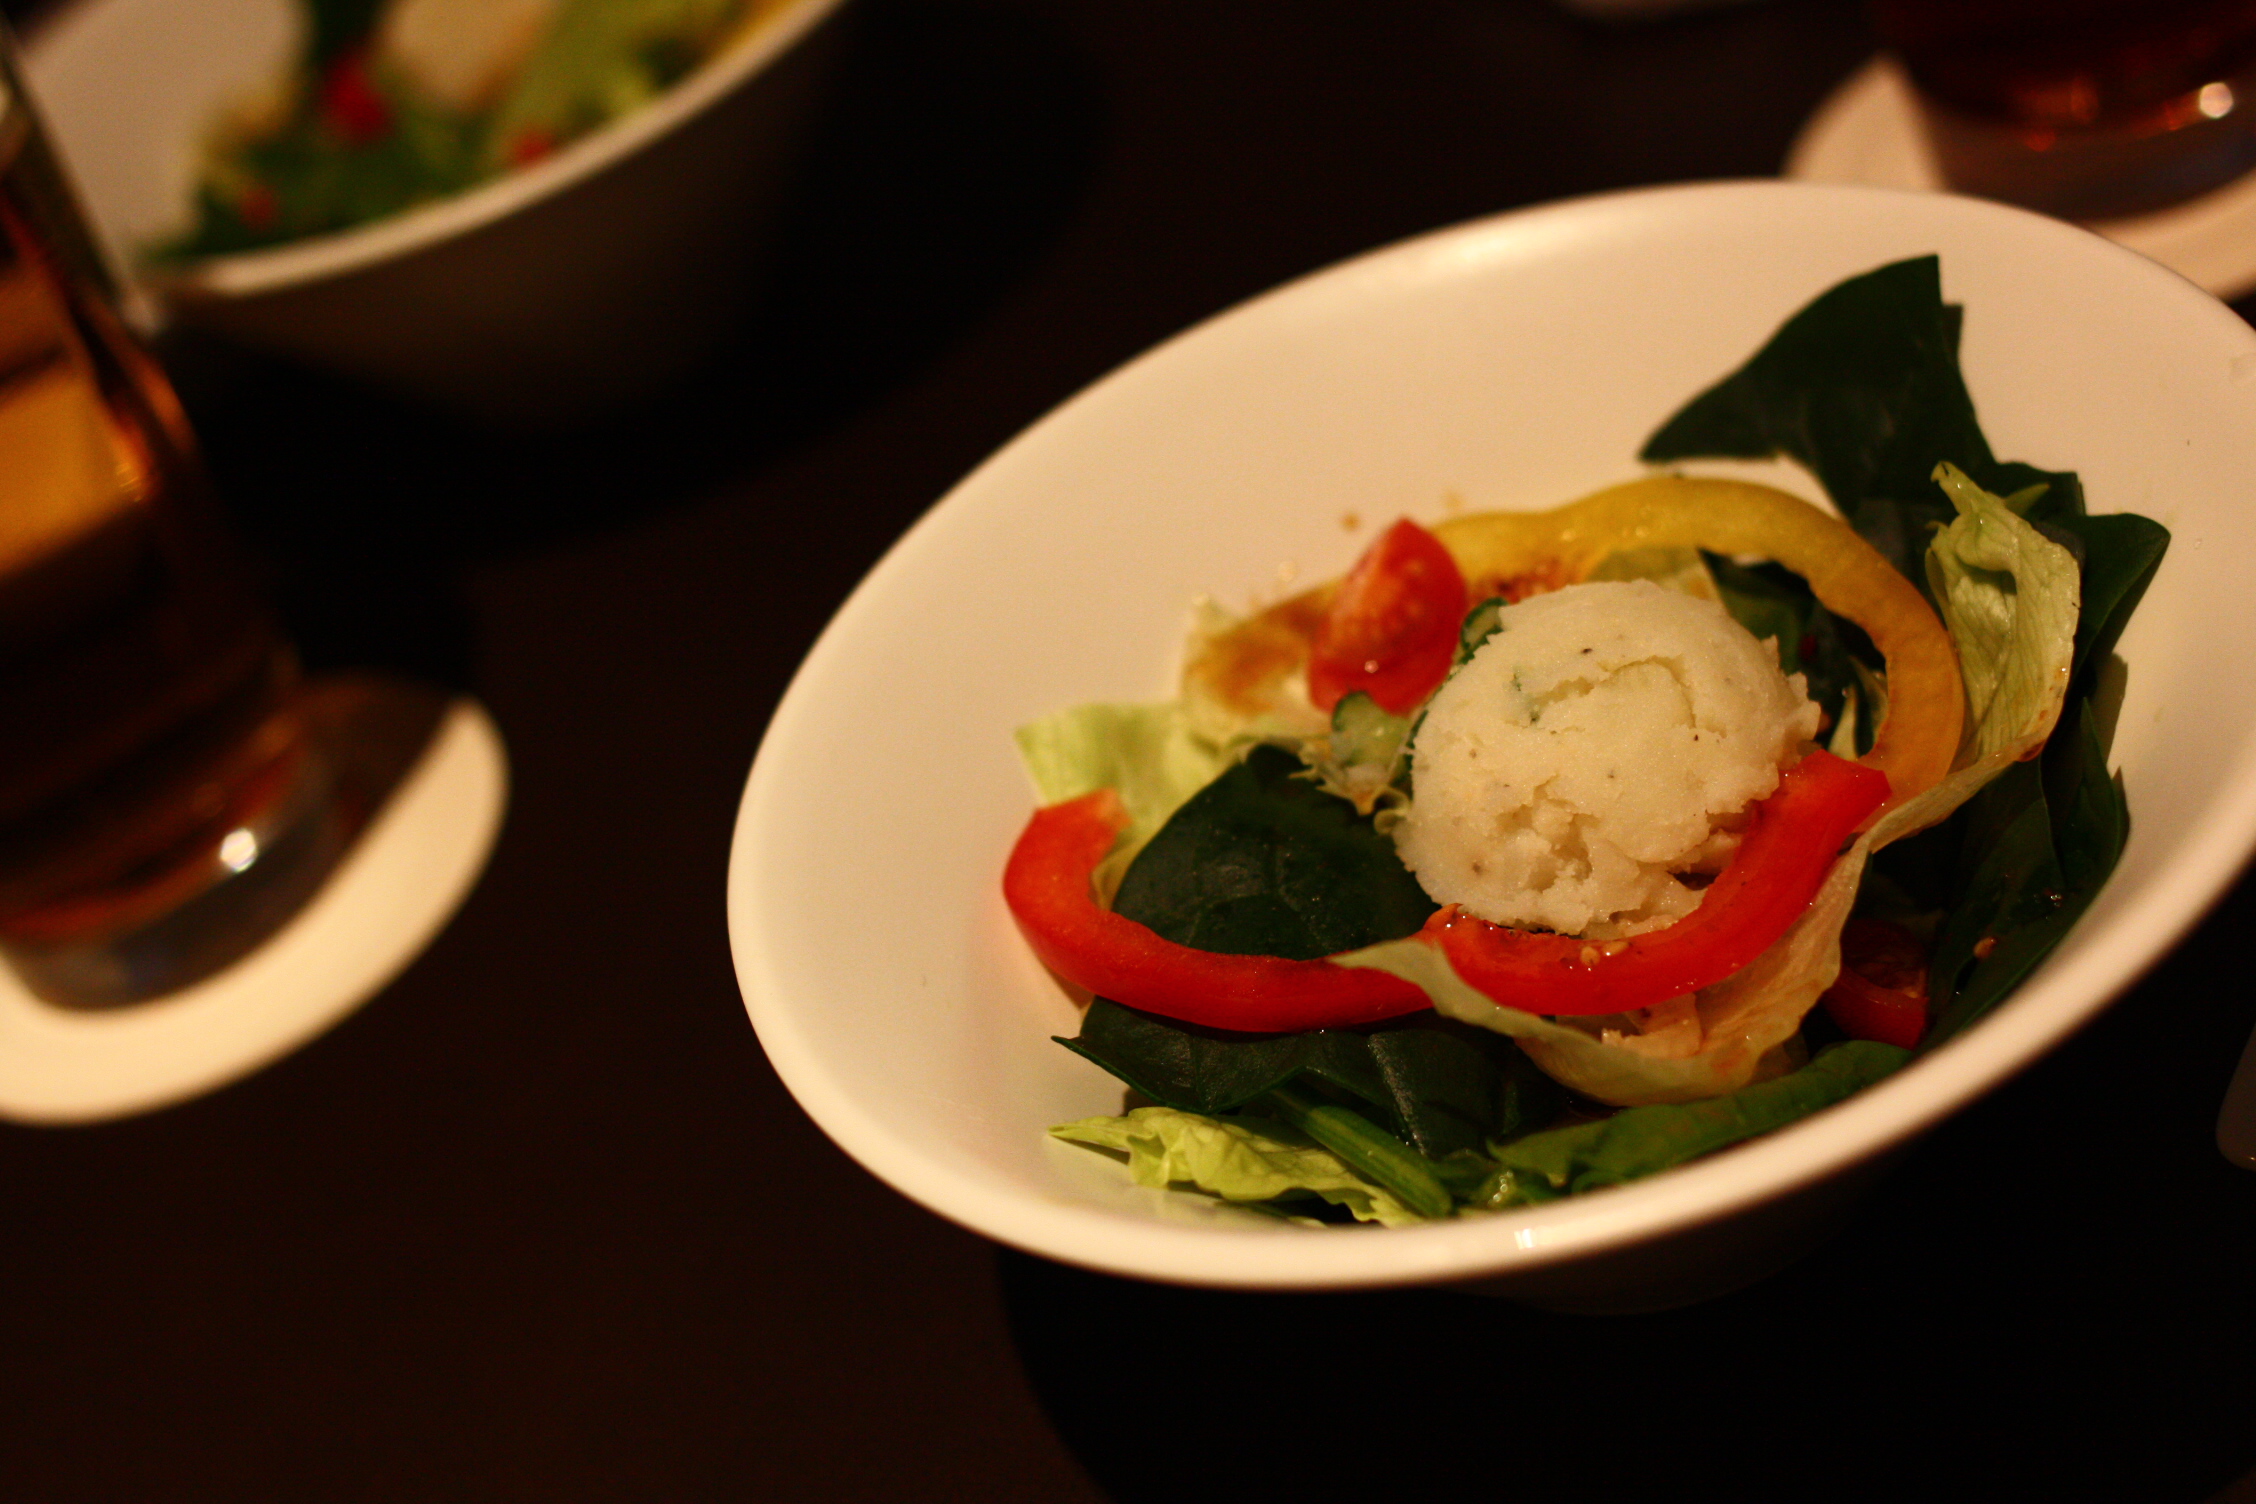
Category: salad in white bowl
<point>1546,851</point>
<point>1511,366</point>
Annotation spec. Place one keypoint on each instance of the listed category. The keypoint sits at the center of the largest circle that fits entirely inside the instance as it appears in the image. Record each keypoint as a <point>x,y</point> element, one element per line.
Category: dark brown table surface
<point>540,1223</point>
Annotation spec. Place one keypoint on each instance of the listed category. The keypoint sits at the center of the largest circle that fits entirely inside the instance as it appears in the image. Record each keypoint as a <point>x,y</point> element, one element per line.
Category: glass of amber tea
<point>2088,109</point>
<point>164,806</point>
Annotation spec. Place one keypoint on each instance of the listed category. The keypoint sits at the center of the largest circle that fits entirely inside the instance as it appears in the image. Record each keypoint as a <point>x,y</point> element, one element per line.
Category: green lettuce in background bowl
<point>589,276</point>
<point>390,105</point>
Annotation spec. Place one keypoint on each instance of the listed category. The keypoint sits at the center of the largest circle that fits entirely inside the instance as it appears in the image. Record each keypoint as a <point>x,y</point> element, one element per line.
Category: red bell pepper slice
<point>1391,626</point>
<point>1789,846</point>
<point>1791,840</point>
<point>1046,884</point>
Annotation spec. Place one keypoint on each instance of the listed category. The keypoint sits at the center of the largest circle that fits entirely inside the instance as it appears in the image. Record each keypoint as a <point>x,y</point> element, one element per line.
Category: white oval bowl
<point>1517,362</point>
<point>588,277</point>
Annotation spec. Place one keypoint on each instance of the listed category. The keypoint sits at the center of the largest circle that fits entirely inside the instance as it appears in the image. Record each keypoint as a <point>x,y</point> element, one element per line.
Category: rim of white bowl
<point>2039,1016</point>
<point>243,274</point>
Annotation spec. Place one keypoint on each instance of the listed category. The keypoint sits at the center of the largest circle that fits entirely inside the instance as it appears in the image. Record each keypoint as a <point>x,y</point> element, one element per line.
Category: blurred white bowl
<point>586,279</point>
<point>1516,362</point>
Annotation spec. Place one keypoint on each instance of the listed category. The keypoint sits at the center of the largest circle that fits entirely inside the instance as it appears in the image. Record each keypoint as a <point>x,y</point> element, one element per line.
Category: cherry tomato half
<point>1881,992</point>
<point>351,104</point>
<point>1391,628</point>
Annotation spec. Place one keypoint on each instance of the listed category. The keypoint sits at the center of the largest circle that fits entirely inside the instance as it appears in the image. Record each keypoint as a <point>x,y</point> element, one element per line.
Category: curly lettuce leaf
<point>1246,678</point>
<point>1584,1062</point>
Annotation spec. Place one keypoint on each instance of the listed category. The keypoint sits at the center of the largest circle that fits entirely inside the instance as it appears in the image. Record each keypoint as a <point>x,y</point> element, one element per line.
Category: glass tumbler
<point>164,805</point>
<point>2088,109</point>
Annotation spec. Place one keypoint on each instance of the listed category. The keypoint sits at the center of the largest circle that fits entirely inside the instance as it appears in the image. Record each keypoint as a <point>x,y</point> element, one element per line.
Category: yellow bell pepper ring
<point>1917,740</point>
<point>1517,554</point>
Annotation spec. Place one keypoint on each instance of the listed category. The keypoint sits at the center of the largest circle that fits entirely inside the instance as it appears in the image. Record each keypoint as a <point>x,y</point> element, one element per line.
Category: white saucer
<point>389,896</point>
<point>1868,132</point>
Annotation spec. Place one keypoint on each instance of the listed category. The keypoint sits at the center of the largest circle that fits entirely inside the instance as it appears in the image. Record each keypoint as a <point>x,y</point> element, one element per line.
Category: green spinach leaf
<point>2036,847</point>
<point>1772,601</point>
<point>1863,387</point>
<point>1640,1141</point>
<point>1262,862</point>
<point>2119,553</point>
<point>1440,1085</point>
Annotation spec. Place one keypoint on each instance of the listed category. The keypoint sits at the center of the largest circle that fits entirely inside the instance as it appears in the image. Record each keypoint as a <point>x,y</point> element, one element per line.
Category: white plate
<point>390,895</point>
<point>1515,362</point>
<point>1869,132</point>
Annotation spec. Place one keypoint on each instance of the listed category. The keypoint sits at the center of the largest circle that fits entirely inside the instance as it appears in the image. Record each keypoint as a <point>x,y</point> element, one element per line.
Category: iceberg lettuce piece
<point>598,59</point>
<point>1148,753</point>
<point>2010,597</point>
<point>1254,1160</point>
<point>1238,1159</point>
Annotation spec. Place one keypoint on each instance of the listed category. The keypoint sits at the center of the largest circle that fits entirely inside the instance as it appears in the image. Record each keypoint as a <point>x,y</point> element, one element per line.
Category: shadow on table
<point>953,145</point>
<point>2049,1300</point>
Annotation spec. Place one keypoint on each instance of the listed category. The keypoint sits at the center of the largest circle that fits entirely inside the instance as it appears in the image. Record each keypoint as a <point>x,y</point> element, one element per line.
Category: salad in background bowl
<point>388,105</point>
<point>523,209</point>
<point>1506,366</point>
